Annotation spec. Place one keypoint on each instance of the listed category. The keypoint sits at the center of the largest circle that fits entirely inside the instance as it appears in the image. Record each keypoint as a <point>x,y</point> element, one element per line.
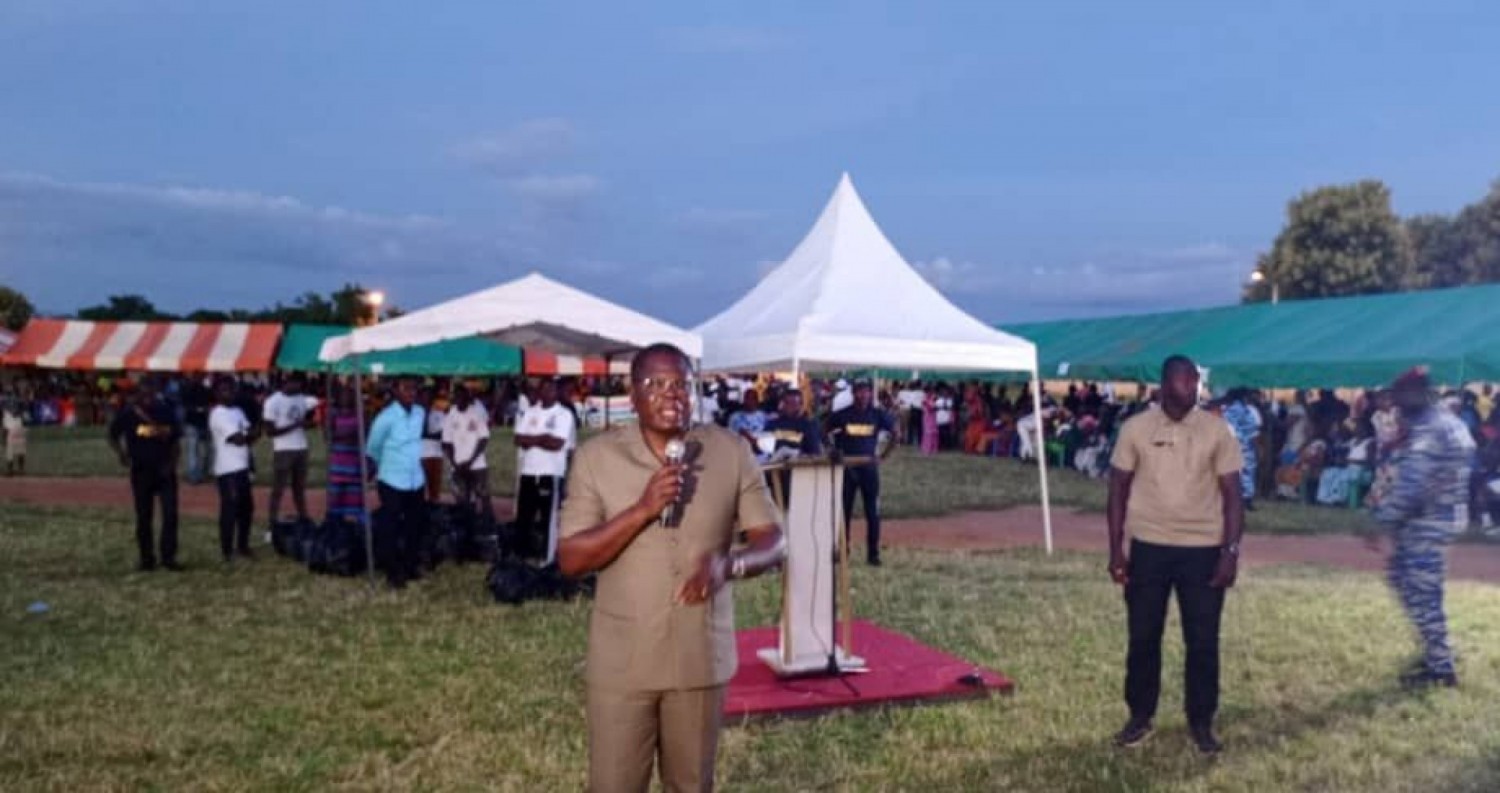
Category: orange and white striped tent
<point>542,363</point>
<point>146,346</point>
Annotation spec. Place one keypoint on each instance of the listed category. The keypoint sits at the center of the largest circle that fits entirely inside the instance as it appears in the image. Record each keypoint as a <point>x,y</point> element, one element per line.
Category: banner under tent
<point>145,346</point>
<point>846,300</point>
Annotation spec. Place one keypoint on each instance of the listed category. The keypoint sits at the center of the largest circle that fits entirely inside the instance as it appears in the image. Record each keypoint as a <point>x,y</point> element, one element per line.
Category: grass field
<point>266,677</point>
<point>911,486</point>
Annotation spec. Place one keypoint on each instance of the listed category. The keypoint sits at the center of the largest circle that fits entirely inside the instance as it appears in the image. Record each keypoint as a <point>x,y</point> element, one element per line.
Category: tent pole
<point>1041,454</point>
<point>607,373</point>
<point>364,476</point>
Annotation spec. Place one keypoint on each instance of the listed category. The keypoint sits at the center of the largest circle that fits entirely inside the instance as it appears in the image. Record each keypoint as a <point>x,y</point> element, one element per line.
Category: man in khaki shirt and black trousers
<point>661,639</point>
<point>1174,487</point>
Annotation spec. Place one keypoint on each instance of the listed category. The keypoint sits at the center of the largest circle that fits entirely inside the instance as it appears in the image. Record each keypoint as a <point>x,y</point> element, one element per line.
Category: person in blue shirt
<point>395,453</point>
<point>748,422</point>
<point>862,430</point>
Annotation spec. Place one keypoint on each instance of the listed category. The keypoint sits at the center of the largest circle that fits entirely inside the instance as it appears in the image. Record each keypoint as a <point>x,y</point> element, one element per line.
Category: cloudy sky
<point>1034,160</point>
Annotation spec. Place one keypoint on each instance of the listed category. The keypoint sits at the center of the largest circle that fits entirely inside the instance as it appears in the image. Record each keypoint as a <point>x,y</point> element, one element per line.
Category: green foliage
<point>124,308</point>
<point>1479,232</point>
<point>345,306</point>
<point>1338,241</point>
<point>15,309</point>
<point>1345,240</point>
<point>1438,247</point>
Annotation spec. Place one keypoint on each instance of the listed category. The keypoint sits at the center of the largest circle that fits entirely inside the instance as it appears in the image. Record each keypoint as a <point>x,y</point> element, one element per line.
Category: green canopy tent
<point>473,356</point>
<point>1353,341</point>
<point>1335,342</point>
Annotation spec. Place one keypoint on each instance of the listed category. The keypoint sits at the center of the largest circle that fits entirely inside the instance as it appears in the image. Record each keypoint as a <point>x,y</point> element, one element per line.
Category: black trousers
<point>865,481</point>
<point>236,510</point>
<point>148,485</point>
<point>914,427</point>
<point>400,547</point>
<point>1155,572</point>
<point>535,504</point>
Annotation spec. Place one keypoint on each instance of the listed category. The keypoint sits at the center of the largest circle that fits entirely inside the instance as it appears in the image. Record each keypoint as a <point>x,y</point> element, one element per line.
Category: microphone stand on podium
<point>815,576</point>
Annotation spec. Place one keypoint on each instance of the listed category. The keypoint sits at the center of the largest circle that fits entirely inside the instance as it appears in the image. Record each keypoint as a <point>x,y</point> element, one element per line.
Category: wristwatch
<point>736,567</point>
<point>1233,549</point>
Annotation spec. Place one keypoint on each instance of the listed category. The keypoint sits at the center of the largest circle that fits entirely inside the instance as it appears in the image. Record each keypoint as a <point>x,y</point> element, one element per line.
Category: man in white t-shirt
<point>910,401</point>
<point>543,436</point>
<point>232,435</point>
<point>466,434</point>
<point>943,407</point>
<point>287,415</point>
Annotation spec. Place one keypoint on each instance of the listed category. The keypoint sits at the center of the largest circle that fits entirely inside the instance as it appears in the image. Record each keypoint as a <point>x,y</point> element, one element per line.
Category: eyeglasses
<point>657,386</point>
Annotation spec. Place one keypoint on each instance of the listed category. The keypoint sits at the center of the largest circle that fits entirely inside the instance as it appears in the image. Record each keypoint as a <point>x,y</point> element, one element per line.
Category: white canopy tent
<point>532,312</point>
<point>846,299</point>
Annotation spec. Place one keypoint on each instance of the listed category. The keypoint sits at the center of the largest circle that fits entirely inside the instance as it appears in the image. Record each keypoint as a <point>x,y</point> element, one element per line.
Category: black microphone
<point>676,450</point>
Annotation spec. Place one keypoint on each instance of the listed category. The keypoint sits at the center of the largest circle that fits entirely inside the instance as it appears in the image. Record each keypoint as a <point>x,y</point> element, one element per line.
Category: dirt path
<point>978,531</point>
<point>1021,527</point>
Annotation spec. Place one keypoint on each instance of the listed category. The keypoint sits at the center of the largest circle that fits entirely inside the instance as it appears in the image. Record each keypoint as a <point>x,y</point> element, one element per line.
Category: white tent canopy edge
<point>533,311</point>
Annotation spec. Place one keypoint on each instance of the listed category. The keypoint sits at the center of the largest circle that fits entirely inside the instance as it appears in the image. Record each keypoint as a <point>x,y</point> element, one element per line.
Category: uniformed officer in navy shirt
<point>858,431</point>
<point>792,429</point>
<point>145,436</point>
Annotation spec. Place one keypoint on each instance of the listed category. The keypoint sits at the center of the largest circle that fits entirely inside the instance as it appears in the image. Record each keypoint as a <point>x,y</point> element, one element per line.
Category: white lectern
<point>815,576</point>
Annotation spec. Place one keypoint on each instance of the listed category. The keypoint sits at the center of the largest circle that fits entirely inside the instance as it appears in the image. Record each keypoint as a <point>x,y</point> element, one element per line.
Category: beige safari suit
<point>657,669</point>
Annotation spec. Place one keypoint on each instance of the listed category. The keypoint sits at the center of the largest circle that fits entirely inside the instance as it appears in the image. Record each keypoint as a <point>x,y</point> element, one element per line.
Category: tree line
<point>344,306</point>
<point>1345,240</point>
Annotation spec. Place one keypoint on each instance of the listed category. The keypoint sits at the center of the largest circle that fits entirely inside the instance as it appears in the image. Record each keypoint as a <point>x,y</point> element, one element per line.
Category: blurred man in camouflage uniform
<point>1425,509</point>
<point>1244,419</point>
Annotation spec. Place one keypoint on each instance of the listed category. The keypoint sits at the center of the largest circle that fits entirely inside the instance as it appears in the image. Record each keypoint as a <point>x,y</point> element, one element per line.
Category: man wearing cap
<point>1424,509</point>
<point>660,534</point>
<point>862,431</point>
<point>544,435</point>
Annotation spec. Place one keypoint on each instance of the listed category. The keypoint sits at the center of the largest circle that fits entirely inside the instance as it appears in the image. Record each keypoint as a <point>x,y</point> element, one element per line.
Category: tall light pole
<point>1259,276</point>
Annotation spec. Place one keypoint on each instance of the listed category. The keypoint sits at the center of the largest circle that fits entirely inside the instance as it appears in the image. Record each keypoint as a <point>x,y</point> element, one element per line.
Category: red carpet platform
<point>902,672</point>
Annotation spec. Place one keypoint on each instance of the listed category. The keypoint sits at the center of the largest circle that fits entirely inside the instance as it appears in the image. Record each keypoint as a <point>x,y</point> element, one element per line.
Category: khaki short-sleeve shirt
<point>639,639</point>
<point>1174,495</point>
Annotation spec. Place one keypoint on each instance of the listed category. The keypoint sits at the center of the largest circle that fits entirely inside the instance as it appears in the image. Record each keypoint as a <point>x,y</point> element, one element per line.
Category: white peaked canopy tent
<point>845,299</point>
<point>531,312</point>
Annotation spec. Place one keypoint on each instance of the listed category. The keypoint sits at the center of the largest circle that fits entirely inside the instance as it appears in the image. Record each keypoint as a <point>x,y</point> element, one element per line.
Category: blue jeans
<point>195,449</point>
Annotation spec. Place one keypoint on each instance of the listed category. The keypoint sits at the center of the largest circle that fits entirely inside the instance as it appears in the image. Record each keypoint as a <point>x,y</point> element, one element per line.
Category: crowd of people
<point>416,442</point>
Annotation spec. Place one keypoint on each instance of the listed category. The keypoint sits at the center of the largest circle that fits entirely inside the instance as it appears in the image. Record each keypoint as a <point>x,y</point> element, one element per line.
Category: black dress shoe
<point>145,565</point>
<point>1203,738</point>
<point>1134,733</point>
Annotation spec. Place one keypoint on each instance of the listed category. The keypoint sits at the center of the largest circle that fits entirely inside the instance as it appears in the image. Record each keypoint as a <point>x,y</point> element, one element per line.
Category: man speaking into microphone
<point>654,509</point>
